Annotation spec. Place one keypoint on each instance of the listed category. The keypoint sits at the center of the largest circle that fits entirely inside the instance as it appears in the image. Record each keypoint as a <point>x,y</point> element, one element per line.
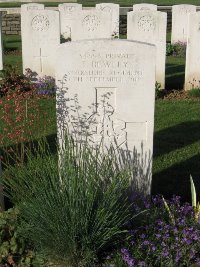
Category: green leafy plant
<point>169,49</point>
<point>158,91</point>
<point>12,80</point>
<point>195,92</point>
<point>76,212</point>
<point>15,250</point>
<point>179,49</point>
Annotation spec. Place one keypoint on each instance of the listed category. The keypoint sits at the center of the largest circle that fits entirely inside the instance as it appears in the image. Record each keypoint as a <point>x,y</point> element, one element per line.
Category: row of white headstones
<point>105,87</point>
<point>41,30</point>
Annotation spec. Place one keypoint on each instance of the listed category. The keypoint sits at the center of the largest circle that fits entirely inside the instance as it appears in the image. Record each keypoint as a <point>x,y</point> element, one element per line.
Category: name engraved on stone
<point>146,23</point>
<point>32,8</point>
<point>91,23</point>
<point>40,23</point>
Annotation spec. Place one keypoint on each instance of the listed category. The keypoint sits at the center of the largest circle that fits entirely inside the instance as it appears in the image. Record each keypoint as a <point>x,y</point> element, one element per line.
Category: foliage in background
<point>195,92</point>
<point>20,110</point>
<point>15,250</point>
<point>169,49</point>
<point>159,240</point>
<point>177,49</point>
<point>13,81</point>
<point>76,213</point>
<point>46,85</point>
<point>158,90</point>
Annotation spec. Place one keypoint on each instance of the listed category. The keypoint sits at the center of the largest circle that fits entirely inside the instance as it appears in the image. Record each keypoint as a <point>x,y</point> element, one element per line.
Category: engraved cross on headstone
<point>41,58</point>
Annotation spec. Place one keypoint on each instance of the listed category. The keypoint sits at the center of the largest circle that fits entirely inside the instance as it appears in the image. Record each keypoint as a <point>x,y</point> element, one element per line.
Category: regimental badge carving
<point>91,23</point>
<point>40,23</point>
<point>184,10</point>
<point>146,23</point>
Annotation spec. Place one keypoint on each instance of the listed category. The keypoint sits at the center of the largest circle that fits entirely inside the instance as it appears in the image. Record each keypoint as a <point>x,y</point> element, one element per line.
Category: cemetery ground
<point>176,156</point>
<point>176,138</point>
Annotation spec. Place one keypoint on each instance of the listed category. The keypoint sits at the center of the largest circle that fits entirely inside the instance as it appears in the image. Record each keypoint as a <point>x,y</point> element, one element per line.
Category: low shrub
<point>46,85</point>
<point>12,80</point>
<point>163,238</point>
<point>169,49</point>
<point>179,49</point>
<point>195,92</point>
<point>73,214</point>
<point>15,250</point>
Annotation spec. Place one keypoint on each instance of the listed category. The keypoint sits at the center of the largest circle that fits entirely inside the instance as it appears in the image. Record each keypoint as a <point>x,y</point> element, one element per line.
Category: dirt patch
<point>176,95</point>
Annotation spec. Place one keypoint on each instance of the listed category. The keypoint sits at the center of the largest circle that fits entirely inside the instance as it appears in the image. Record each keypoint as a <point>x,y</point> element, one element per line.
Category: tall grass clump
<point>72,213</point>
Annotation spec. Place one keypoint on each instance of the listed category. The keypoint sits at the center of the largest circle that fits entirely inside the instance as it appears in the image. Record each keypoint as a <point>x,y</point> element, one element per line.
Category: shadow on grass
<point>176,137</point>
<point>175,76</point>
<point>176,179</point>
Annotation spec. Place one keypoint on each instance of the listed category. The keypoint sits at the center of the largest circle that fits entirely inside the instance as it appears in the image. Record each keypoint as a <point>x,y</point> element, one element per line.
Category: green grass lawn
<point>177,131</point>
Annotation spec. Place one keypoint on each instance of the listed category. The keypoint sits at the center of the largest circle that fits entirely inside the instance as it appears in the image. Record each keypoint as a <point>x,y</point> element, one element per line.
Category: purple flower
<point>141,263</point>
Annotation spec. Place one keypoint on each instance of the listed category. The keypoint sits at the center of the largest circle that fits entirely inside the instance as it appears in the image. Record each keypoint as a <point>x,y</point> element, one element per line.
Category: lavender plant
<point>46,85</point>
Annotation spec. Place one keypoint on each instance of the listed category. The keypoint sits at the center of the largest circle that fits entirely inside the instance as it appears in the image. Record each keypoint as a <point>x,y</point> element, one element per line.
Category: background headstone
<point>180,22</point>
<point>106,89</point>
<point>67,15</point>
<point>112,9</point>
<point>24,14</point>
<point>192,67</point>
<point>150,26</point>
<point>144,7</point>
<point>91,24</point>
<point>40,38</point>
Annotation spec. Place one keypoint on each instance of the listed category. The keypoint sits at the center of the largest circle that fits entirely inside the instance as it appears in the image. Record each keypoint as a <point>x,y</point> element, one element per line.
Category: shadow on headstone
<point>97,129</point>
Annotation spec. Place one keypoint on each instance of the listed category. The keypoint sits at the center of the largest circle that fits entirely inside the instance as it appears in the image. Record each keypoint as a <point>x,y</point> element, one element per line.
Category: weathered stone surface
<point>113,10</point>
<point>67,16</point>
<point>106,91</point>
<point>150,26</point>
<point>144,7</point>
<point>180,22</point>
<point>192,67</point>
<point>40,38</point>
<point>91,24</point>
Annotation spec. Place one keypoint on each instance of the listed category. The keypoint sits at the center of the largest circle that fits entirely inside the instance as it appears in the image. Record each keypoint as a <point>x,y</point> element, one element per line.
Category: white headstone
<point>1,46</point>
<point>150,27</point>
<point>24,16</point>
<point>91,24</point>
<point>67,15</point>
<point>192,67</point>
<point>113,10</point>
<point>144,7</point>
<point>40,38</point>
<point>180,22</point>
<point>106,88</point>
